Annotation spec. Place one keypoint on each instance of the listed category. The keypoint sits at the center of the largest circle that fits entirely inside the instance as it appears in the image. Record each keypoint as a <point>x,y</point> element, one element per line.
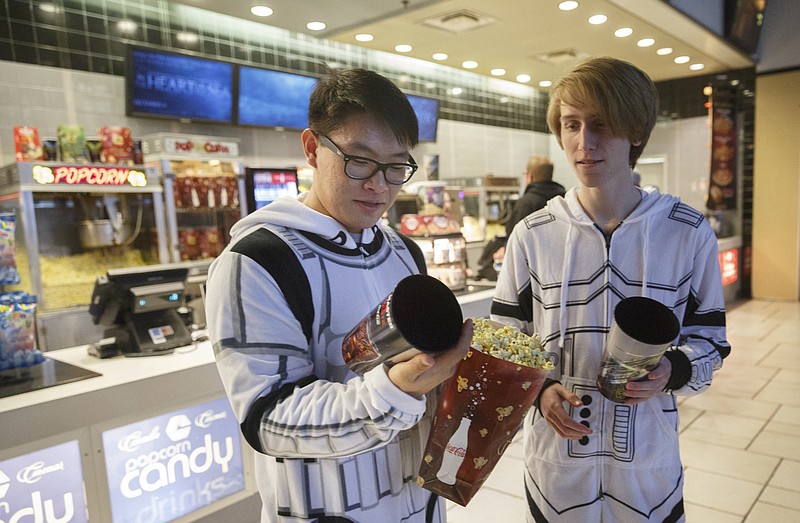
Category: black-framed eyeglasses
<point>361,168</point>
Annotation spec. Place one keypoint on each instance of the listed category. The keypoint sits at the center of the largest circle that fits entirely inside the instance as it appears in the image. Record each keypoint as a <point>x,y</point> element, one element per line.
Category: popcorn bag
<point>480,409</point>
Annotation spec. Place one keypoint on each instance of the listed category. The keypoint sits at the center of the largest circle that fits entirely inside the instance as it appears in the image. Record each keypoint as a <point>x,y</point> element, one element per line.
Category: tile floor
<point>740,440</point>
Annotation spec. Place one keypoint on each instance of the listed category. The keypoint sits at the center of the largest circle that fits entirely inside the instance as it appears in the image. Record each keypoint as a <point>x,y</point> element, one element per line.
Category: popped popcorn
<point>510,344</point>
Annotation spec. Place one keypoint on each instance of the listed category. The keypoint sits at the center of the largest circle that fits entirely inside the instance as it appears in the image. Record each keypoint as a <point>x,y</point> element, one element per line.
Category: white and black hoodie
<point>331,445</point>
<point>562,278</point>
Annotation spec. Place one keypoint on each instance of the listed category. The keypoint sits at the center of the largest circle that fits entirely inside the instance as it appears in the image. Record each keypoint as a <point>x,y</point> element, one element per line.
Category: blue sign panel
<point>167,466</point>
<point>44,486</point>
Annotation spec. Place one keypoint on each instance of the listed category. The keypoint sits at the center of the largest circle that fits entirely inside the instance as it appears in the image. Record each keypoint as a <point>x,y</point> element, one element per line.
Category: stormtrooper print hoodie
<point>562,278</point>
<point>330,445</point>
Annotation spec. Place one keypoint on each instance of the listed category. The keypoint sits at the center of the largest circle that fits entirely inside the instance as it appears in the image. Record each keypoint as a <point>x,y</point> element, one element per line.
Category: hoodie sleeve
<point>702,345</point>
<point>264,362</point>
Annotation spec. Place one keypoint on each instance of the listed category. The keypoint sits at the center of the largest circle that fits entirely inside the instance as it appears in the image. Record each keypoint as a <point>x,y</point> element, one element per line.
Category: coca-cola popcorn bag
<point>481,408</point>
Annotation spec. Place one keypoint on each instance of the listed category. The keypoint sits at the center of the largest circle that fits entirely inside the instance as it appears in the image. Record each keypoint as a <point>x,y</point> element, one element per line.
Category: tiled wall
<point>94,36</point>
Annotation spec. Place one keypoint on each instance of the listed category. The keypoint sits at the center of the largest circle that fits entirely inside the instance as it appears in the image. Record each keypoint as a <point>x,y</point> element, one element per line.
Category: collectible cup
<point>640,334</point>
<point>420,314</point>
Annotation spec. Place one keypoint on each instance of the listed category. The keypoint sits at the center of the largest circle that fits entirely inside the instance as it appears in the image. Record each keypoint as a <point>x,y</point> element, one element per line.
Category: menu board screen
<point>427,111</point>
<point>45,485</point>
<point>179,86</point>
<point>264,186</point>
<point>273,98</point>
<point>161,468</point>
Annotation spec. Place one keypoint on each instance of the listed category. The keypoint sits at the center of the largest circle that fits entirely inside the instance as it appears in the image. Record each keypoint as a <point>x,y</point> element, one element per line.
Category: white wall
<point>685,146</point>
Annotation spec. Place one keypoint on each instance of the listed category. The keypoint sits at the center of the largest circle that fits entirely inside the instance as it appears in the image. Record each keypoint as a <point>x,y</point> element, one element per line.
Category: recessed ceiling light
<point>681,59</point>
<point>439,56</point>
<point>664,51</point>
<point>598,19</point>
<point>622,32</point>
<point>261,10</point>
<point>646,42</point>
<point>523,78</point>
<point>697,67</point>
<point>316,26</point>
<point>126,26</point>
<point>364,37</point>
<point>456,91</point>
<point>545,83</point>
<point>498,71</point>
<point>469,64</point>
<point>186,38</point>
<point>48,7</point>
<point>568,6</point>
<point>403,48</point>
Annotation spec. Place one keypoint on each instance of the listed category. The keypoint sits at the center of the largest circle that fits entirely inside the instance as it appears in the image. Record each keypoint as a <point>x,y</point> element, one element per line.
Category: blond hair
<point>619,93</point>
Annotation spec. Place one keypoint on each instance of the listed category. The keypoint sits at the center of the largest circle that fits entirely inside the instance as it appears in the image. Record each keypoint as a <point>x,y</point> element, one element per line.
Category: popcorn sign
<point>164,467</point>
<point>43,486</point>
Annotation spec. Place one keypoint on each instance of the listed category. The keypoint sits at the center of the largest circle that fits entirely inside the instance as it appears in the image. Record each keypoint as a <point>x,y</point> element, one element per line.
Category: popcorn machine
<point>74,222</point>
<point>203,184</point>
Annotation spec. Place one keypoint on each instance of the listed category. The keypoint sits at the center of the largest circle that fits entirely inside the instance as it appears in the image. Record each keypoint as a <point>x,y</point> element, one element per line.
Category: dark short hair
<point>621,94</point>
<point>342,93</point>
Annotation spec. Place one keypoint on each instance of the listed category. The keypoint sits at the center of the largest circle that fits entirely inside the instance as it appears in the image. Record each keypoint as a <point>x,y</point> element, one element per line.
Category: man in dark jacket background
<point>540,188</point>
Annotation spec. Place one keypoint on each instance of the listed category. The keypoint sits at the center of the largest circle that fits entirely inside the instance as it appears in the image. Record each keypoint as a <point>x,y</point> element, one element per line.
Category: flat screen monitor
<point>123,292</point>
<point>273,98</point>
<point>178,86</point>
<point>427,111</point>
<point>263,186</point>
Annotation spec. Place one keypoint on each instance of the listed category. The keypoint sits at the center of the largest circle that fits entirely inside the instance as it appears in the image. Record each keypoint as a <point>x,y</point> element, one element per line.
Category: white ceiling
<point>518,35</point>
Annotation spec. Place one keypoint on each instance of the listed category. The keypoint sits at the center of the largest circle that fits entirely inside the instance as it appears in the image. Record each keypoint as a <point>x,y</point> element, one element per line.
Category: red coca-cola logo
<point>456,451</point>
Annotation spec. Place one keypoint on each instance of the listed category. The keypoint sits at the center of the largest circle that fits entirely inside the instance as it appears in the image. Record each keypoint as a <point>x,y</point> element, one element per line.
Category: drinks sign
<point>45,485</point>
<point>164,467</point>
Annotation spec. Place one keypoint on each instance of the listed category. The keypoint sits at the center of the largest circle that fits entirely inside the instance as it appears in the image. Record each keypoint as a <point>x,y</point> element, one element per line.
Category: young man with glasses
<point>298,275</point>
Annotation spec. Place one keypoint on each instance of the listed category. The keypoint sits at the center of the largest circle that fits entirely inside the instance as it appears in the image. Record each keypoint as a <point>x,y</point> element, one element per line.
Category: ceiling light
<point>598,19</point>
<point>664,51</point>
<point>523,78</point>
<point>622,32</point>
<point>681,59</point>
<point>403,48</point>
<point>316,26</point>
<point>48,7</point>
<point>697,67</point>
<point>439,56</point>
<point>261,10</point>
<point>469,64</point>
<point>364,37</point>
<point>126,26</point>
<point>568,6</point>
<point>456,91</point>
<point>186,38</point>
<point>498,72</point>
<point>504,99</point>
<point>646,42</point>
<point>545,83</point>
<point>708,90</point>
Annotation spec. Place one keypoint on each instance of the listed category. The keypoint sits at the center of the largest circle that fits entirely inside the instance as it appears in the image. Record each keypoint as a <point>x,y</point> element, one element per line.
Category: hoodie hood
<point>290,212</point>
<point>569,208</point>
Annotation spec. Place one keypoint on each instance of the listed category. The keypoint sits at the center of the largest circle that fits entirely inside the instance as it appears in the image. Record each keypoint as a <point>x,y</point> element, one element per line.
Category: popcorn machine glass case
<point>203,186</point>
<point>73,223</point>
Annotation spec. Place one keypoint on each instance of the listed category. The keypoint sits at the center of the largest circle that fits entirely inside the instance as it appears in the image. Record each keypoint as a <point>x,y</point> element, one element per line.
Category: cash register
<point>139,307</point>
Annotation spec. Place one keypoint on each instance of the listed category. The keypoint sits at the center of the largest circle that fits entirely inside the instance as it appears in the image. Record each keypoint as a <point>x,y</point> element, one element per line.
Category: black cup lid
<point>646,320</point>
<point>427,313</point>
